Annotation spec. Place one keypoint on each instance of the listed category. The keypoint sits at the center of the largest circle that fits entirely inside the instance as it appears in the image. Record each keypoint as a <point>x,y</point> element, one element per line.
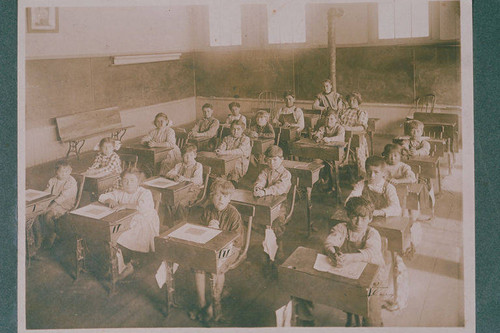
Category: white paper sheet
<point>351,271</point>
<point>160,182</point>
<point>93,211</point>
<point>35,194</point>
<point>284,315</point>
<point>270,245</point>
<point>195,233</point>
<point>161,275</point>
<point>121,263</point>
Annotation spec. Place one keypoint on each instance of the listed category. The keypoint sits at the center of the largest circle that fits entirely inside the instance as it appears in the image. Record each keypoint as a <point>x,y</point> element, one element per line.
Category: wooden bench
<point>76,128</point>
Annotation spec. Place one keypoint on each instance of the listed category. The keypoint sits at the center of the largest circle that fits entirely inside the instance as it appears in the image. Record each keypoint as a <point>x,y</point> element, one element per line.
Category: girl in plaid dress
<point>106,161</point>
<point>354,119</point>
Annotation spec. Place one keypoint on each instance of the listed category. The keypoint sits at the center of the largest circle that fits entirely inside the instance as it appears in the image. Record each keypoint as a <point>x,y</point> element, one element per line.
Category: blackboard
<point>243,73</point>
<point>382,74</point>
<point>59,87</point>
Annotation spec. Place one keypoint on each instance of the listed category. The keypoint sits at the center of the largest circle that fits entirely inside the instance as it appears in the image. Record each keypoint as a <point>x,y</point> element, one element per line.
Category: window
<point>224,18</point>
<point>286,20</point>
<point>403,19</point>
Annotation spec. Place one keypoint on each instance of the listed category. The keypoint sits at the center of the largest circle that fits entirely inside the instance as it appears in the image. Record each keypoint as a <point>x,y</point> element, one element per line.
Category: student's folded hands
<point>111,203</point>
<point>214,224</point>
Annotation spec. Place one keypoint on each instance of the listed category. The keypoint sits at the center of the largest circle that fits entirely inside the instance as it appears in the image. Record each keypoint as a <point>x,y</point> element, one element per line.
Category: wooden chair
<point>268,99</point>
<point>128,161</point>
<point>426,103</point>
<point>79,242</point>
<point>247,213</point>
<point>295,185</point>
<point>207,170</point>
<point>181,139</point>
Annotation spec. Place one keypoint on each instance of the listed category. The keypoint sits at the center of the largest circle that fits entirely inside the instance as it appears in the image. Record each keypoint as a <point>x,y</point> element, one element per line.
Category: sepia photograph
<point>245,164</point>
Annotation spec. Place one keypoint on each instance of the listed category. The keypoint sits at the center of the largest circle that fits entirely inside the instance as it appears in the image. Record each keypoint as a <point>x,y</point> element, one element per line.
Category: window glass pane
<point>224,23</point>
<point>402,16</point>
<point>420,18</point>
<point>286,22</point>
<point>386,20</point>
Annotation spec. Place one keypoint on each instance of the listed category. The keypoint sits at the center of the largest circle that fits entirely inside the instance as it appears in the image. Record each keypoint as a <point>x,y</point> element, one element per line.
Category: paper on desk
<point>269,243</point>
<point>93,211</point>
<point>160,182</point>
<point>284,315</point>
<point>35,194</point>
<point>195,233</point>
<point>161,273</point>
<point>351,271</point>
<point>121,263</point>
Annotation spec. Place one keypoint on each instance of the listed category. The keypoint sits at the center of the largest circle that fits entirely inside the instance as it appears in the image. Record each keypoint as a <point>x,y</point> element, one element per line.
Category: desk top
<point>213,155</point>
<point>439,123</point>
<point>215,244</point>
<point>247,197</point>
<point>398,223</point>
<point>137,145</point>
<point>303,259</point>
<point>199,139</point>
<point>113,218</point>
<point>423,159</point>
<point>306,166</point>
<point>173,187</point>
<point>34,196</point>
<point>312,144</point>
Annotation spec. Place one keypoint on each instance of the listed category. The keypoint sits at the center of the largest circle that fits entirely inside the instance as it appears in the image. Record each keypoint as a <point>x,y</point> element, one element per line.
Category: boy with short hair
<point>65,188</point>
<point>377,189</point>
<point>416,145</point>
<point>207,126</point>
<point>235,114</point>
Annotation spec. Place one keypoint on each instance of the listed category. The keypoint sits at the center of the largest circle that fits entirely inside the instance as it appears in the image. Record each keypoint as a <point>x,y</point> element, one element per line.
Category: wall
<point>98,31</point>
<point>42,144</point>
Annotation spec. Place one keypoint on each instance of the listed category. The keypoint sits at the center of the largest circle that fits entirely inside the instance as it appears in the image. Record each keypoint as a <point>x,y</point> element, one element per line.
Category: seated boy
<point>351,242</point>
<point>219,214</point>
<point>236,144</point>
<point>275,180</point>
<point>65,188</point>
<point>262,129</point>
<point>416,145</point>
<point>377,189</point>
<point>207,127</point>
<point>234,107</point>
<point>191,171</point>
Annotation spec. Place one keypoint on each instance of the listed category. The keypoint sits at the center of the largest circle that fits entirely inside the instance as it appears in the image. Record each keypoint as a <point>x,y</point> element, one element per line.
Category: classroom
<point>243,164</point>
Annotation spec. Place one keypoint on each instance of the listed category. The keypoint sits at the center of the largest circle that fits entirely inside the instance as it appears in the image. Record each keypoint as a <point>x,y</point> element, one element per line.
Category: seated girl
<point>106,161</point>
<point>236,144</point>
<point>377,189</point>
<point>164,136</point>
<point>234,107</point>
<point>397,171</point>
<point>144,226</point>
<point>219,214</point>
<point>187,171</point>
<point>354,119</point>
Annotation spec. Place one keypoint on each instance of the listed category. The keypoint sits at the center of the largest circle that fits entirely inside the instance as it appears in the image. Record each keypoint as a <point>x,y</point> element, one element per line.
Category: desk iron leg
<point>438,167</point>
<point>309,208</point>
<point>395,304</point>
<point>337,181</point>
<point>114,267</point>
<point>169,293</point>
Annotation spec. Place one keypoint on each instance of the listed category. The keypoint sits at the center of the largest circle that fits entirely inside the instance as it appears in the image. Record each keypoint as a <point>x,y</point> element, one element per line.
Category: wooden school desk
<point>448,121</point>
<point>308,175</point>
<point>149,157</point>
<point>209,257</point>
<point>34,207</point>
<point>99,184</point>
<point>397,231</point>
<point>332,153</point>
<point>288,134</point>
<point>221,165</point>
<point>172,195</point>
<point>299,278</point>
<point>202,143</point>
<point>427,167</point>
<point>267,208</point>
<point>106,230</point>
<point>261,145</point>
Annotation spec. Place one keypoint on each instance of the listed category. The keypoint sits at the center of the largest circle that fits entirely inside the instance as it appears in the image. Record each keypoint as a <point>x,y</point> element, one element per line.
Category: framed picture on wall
<point>42,19</point>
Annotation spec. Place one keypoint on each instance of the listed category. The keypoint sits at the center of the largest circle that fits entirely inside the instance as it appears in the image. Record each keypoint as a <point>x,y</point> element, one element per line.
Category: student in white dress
<point>145,225</point>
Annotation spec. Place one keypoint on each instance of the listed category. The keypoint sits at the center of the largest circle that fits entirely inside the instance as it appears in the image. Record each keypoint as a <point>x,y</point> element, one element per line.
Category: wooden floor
<point>55,300</point>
